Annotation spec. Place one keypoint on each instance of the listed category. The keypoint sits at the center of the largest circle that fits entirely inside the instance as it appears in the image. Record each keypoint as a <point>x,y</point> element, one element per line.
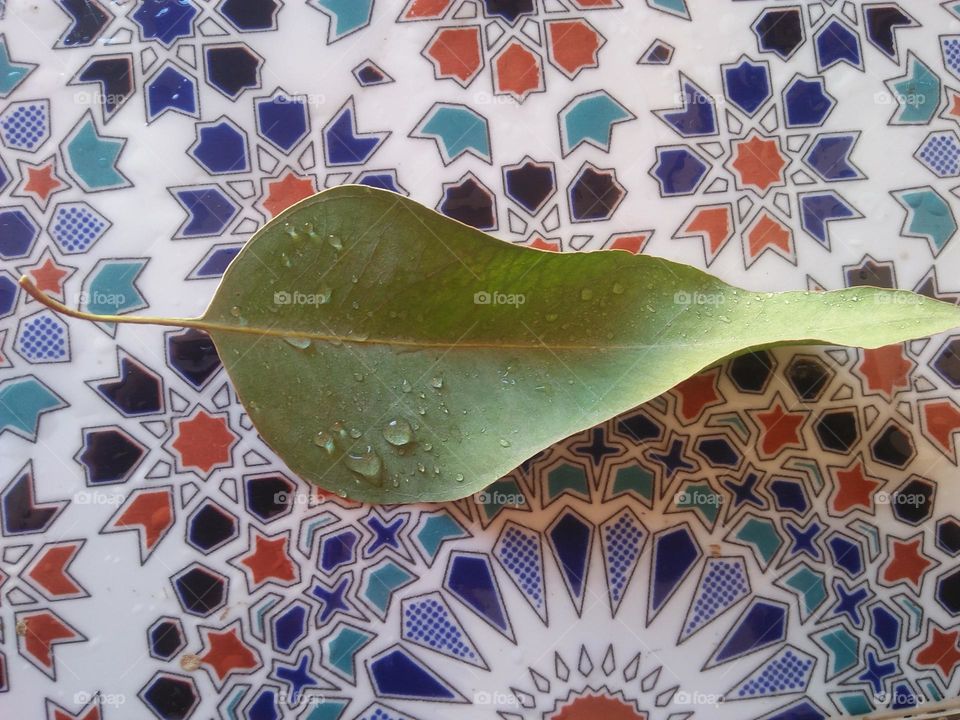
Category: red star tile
<point>541,243</point>
<point>696,394</point>
<point>779,428</point>
<point>758,163</point>
<point>886,370</point>
<point>48,275</point>
<point>852,488</point>
<point>226,653</point>
<point>906,562</point>
<point>285,191</point>
<point>269,560</point>
<point>940,420</point>
<point>40,182</point>
<point>203,441</point>
<point>940,651</point>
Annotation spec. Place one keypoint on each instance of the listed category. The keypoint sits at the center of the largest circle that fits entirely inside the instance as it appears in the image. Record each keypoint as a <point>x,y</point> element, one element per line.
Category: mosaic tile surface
<point>774,538</point>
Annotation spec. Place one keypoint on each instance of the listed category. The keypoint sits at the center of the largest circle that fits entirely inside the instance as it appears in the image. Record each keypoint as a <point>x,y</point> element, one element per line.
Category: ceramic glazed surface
<point>775,538</point>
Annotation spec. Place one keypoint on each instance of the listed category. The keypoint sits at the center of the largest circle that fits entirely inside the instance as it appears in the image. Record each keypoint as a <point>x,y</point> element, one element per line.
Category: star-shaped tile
<point>779,428</point>
<point>906,562</point>
<point>853,488</point>
<point>886,370</point>
<point>40,182</point>
<point>225,653</point>
<point>940,652</point>
<point>48,275</point>
<point>282,192</point>
<point>203,442</point>
<point>268,560</point>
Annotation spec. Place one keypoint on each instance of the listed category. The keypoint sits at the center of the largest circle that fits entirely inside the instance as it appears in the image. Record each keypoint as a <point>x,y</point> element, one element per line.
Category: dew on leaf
<point>617,289</point>
<point>398,432</point>
<point>300,343</point>
<point>586,294</point>
<point>325,440</point>
<point>364,462</point>
<point>335,242</point>
<point>406,386</point>
<point>436,382</point>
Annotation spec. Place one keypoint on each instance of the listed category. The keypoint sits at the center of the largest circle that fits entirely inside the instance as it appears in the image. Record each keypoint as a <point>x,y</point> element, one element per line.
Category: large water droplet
<point>235,311</point>
<point>335,242</point>
<point>504,442</point>
<point>406,386</point>
<point>398,432</point>
<point>325,440</point>
<point>364,461</point>
<point>437,382</point>
<point>300,343</point>
<point>586,294</point>
<point>458,477</point>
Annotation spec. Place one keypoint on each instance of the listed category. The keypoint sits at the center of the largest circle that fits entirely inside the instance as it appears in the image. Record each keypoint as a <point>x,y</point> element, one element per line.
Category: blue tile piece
<point>622,539</point>
<point>789,495</point>
<point>803,539</point>
<point>87,20</point>
<point>836,43</point>
<point>570,539</point>
<point>817,209</point>
<point>846,554</point>
<point>171,90</point>
<point>385,180</point>
<point>232,69</point>
<point>282,120</point>
<point>397,674</point>
<point>342,143</point>
<point>747,85</point>
<point>43,338</point>
<point>788,671</point>
<point>877,672</point>
<point>675,553</point>
<point>216,261</point>
<point>697,117</point>
<point>264,706</point>
<point>806,102</point>
<point>338,549</point>
<point>678,171</point>
<point>427,621</point>
<point>165,20</point>
<point>17,232</point>
<point>221,148</point>
<point>290,626</point>
<point>719,452</point>
<point>470,579</point>
<point>940,153</point>
<point>885,627</point>
<point>521,555</point>
<point>26,125</point>
<point>829,157</point>
<point>764,623</point>
<point>296,677</point>
<point>724,583</point>
<point>9,291</point>
<point>849,601</point>
<point>76,226</point>
<point>209,211</point>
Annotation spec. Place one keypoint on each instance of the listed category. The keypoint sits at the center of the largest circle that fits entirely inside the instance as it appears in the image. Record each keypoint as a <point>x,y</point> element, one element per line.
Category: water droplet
<point>235,311</point>
<point>364,461</point>
<point>504,442</point>
<point>406,386</point>
<point>458,477</point>
<point>325,440</point>
<point>586,294</point>
<point>335,242</point>
<point>437,382</point>
<point>354,433</point>
<point>551,317</point>
<point>421,467</point>
<point>428,447</point>
<point>398,432</point>
<point>358,377</point>
<point>617,289</point>
<point>723,318</point>
<point>300,343</point>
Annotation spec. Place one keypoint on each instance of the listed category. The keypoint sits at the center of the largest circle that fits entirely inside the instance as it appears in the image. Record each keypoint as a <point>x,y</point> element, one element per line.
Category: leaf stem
<point>27,284</point>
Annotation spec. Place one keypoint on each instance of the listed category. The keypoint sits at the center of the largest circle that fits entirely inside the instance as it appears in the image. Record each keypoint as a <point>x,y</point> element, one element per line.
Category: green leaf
<point>479,352</point>
<point>390,354</point>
